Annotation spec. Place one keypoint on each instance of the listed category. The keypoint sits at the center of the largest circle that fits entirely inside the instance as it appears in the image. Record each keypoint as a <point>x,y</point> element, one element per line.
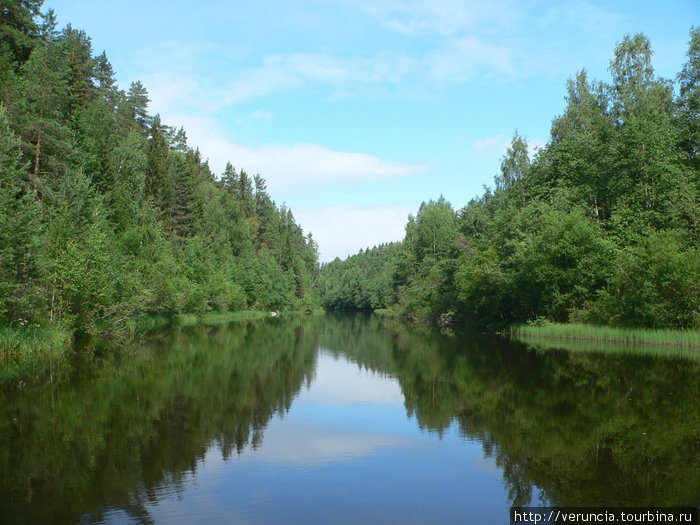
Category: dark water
<point>346,420</point>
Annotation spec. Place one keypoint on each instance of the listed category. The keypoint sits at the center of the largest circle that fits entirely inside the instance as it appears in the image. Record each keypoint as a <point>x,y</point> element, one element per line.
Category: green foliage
<point>21,228</point>
<point>688,102</point>
<point>581,427</point>
<point>33,353</point>
<point>125,418</point>
<point>361,282</point>
<point>107,213</point>
<point>601,226</point>
<point>19,30</point>
<point>682,343</point>
<point>654,284</point>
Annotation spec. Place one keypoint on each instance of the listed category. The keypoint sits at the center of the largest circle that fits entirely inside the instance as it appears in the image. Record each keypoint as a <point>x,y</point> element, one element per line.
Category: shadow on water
<point>573,428</point>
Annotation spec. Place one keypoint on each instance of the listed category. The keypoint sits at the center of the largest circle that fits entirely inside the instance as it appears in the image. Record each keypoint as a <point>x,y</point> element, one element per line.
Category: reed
<point>32,352</point>
<point>29,354</point>
<point>607,338</point>
<point>150,322</point>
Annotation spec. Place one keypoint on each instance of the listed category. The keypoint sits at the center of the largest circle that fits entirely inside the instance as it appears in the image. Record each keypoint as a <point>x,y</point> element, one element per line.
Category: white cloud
<point>499,144</point>
<point>307,442</point>
<point>341,230</point>
<point>492,145</point>
<point>262,114</point>
<point>168,90</point>
<point>534,145</point>
<point>462,58</point>
<point>458,41</point>
<point>451,41</point>
<point>306,436</point>
<point>445,18</point>
<point>471,43</point>
<point>334,386</point>
<point>284,166</point>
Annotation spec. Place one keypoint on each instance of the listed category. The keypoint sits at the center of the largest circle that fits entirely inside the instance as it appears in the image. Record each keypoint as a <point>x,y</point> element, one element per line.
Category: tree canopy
<point>600,226</point>
<point>108,213</point>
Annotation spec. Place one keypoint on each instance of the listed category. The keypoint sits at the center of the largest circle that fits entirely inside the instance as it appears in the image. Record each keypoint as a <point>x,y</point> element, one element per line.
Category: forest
<point>107,213</point>
<point>600,226</point>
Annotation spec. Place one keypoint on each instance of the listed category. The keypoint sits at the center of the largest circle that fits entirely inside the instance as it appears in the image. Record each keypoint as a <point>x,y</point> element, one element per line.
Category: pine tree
<point>158,181</point>
<point>18,31</point>
<point>42,115</point>
<point>133,108</point>
<point>20,234</point>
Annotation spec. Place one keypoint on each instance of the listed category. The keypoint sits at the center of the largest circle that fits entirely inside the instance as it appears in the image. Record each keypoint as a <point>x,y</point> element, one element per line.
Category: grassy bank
<point>149,322</point>
<point>32,352</point>
<point>610,339</point>
<point>386,312</point>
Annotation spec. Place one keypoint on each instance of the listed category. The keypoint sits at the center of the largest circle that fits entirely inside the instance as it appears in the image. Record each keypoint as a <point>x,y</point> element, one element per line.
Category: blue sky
<point>356,111</point>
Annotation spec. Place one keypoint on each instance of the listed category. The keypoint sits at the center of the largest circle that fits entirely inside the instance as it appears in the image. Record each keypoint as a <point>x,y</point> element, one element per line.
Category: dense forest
<point>601,226</point>
<point>361,281</point>
<point>107,213</point>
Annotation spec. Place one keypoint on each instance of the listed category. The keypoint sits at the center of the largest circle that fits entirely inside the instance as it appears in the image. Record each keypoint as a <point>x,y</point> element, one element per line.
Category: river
<point>346,419</point>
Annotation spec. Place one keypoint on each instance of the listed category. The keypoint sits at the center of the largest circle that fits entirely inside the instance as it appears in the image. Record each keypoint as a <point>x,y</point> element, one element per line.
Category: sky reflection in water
<point>346,419</point>
<point>346,452</point>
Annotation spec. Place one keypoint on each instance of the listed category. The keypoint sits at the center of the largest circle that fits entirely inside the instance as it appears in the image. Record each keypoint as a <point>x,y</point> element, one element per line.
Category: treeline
<point>360,282</point>
<point>601,226</point>
<point>107,213</point>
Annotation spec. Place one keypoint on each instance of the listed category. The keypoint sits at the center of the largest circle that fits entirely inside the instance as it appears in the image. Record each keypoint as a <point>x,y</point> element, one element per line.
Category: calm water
<point>346,419</point>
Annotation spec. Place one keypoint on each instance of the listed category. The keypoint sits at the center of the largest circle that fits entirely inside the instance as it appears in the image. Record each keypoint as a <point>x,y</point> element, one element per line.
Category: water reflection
<point>347,419</point>
<point>340,416</point>
<point>119,434</point>
<point>333,385</point>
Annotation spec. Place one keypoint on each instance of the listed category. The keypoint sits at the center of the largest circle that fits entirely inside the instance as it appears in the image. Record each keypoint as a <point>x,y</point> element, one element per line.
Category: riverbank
<point>579,337</point>
<point>32,353</point>
<point>149,322</point>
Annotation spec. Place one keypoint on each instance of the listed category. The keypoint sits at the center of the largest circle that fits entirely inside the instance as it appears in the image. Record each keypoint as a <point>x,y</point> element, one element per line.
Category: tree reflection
<point>584,428</point>
<point>140,424</point>
<point>572,428</point>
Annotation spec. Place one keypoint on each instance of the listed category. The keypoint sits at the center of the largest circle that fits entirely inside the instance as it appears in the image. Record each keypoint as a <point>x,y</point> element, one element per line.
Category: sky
<point>356,111</point>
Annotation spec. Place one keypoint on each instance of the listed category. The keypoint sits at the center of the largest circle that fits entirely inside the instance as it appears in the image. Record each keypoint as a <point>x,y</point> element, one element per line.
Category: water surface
<point>346,419</point>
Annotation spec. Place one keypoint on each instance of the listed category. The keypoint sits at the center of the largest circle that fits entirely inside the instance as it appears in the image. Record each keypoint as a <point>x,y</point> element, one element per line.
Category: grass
<point>149,322</point>
<point>684,343</point>
<point>32,352</point>
<point>305,311</point>
<point>212,318</point>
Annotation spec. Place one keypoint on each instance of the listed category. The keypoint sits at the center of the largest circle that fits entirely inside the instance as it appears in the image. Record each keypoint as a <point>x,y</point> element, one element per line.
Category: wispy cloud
<point>262,114</point>
<point>499,144</point>
<point>445,18</point>
<point>491,145</point>
<point>287,166</point>
<point>308,442</point>
<point>534,146</point>
<point>342,230</point>
<point>456,42</point>
<point>334,386</point>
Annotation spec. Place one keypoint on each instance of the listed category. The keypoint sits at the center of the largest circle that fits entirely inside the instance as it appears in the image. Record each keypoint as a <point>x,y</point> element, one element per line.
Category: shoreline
<point>32,354</point>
